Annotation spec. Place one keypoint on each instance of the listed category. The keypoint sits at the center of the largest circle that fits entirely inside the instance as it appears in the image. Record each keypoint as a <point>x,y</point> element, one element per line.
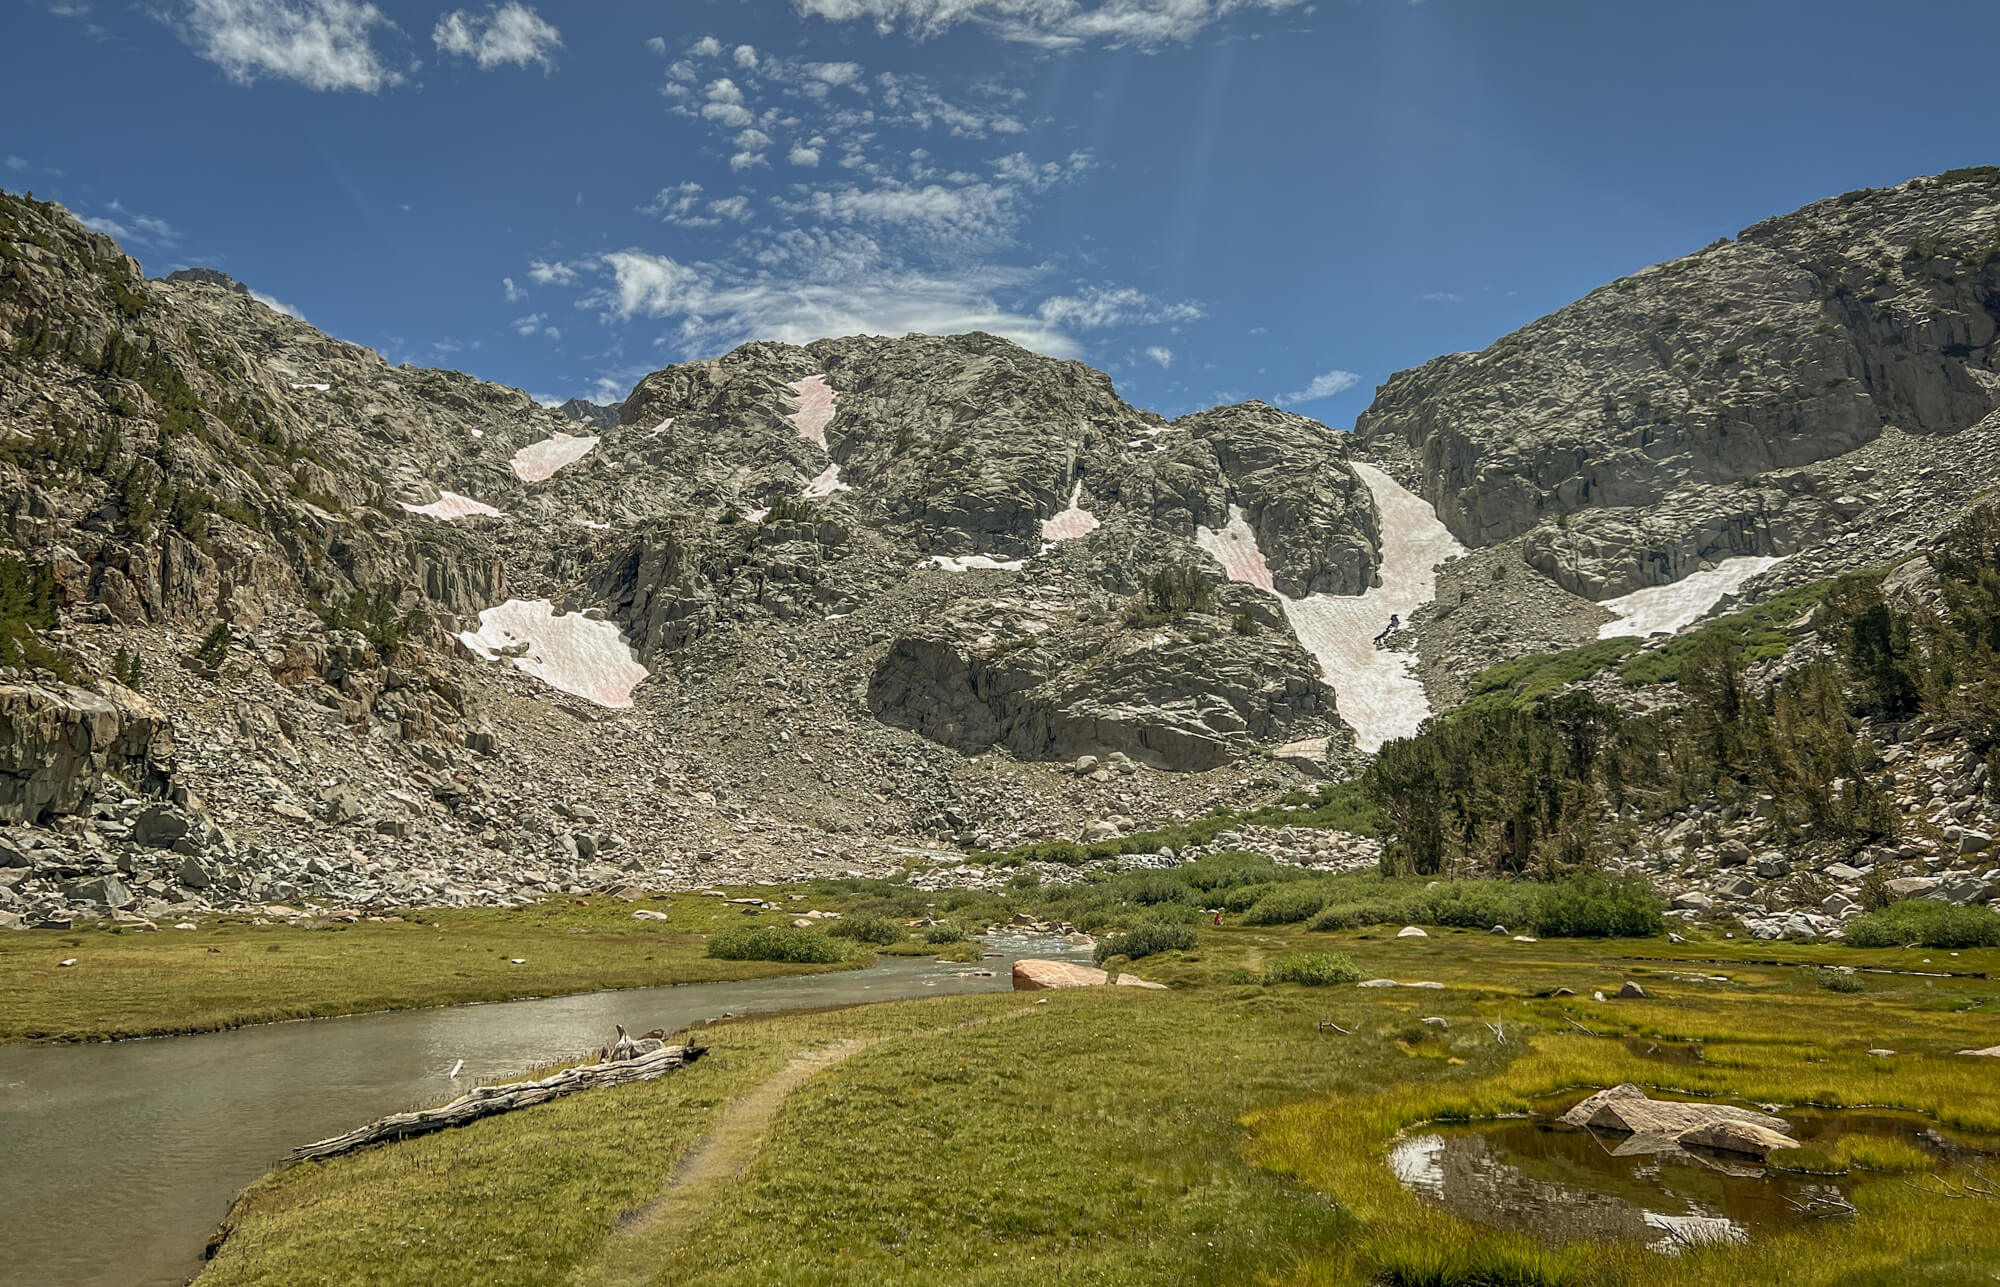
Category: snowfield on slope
<point>570,652</point>
<point>1668,609</point>
<point>538,462</point>
<point>450,506</point>
<point>1377,691</point>
<point>815,413</point>
<point>1072,522</point>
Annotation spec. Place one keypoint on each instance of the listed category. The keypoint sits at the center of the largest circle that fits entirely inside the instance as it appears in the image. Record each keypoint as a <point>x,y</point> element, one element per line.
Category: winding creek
<point>118,1160</point>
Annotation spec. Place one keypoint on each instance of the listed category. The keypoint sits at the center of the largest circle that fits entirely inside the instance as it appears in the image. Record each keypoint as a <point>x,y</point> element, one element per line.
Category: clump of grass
<point>1148,938</point>
<point>943,932</point>
<point>1925,923</point>
<point>1599,907</point>
<point>1313,969</point>
<point>868,927</point>
<point>1836,980</point>
<point>1286,906</point>
<point>775,943</point>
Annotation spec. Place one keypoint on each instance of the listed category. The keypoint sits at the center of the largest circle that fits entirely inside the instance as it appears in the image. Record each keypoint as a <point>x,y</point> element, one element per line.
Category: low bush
<point>775,943</point>
<point>1148,938</point>
<point>1314,969</point>
<point>1837,980</point>
<point>1286,906</point>
<point>868,927</point>
<point>944,932</point>
<point>1927,924</point>
<point>1599,907</point>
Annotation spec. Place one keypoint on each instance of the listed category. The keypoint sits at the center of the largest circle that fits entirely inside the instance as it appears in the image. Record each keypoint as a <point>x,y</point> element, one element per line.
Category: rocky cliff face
<point>1674,395</point>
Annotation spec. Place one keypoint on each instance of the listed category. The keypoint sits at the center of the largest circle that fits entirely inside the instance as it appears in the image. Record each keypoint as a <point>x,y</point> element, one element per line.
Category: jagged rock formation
<point>598,415</point>
<point>1687,385</point>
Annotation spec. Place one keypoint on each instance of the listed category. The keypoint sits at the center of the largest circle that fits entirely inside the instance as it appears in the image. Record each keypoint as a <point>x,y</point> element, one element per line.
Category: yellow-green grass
<point>233,971</point>
<point>1214,1134</point>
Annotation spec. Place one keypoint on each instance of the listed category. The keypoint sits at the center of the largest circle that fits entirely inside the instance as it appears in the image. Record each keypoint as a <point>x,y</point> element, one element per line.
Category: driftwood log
<point>487,1101</point>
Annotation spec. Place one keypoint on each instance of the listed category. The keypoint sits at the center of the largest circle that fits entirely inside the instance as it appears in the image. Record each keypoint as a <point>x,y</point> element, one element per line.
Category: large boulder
<point>1050,976</point>
<point>57,741</point>
<point>1746,1138</point>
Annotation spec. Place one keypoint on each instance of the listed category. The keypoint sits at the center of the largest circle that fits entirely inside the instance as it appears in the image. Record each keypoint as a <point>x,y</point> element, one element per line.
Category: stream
<point>118,1160</point>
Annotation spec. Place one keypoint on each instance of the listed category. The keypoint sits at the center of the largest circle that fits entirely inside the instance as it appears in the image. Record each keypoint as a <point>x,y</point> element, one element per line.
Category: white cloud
<point>276,304</point>
<point>1095,307</point>
<point>514,293</point>
<point>129,226</point>
<point>1051,23</point>
<point>746,57</point>
<point>1442,297</point>
<point>657,44</point>
<point>557,273</point>
<point>753,139</point>
<point>17,163</point>
<point>1017,168</point>
<point>1164,356</point>
<point>706,47</point>
<point>801,154</point>
<point>736,208</point>
<point>679,205</point>
<point>744,160</point>
<point>1324,386</point>
<point>834,74</point>
<point>651,285</point>
<point>321,44</point>
<point>511,33</point>
<point>527,325</point>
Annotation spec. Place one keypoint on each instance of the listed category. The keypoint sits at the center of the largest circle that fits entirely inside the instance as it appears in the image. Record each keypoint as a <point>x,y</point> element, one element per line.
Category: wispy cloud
<point>1324,386</point>
<point>509,34</point>
<point>1442,297</point>
<point>276,304</point>
<point>320,44</point>
<point>1096,307</point>
<point>1049,23</point>
<point>131,227</point>
<point>1160,354</point>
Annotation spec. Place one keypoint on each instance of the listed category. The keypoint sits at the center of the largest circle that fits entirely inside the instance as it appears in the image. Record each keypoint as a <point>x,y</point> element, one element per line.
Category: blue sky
<point>1211,199</point>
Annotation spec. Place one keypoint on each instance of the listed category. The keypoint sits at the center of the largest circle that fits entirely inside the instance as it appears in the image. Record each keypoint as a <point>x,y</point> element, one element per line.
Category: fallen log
<point>487,1101</point>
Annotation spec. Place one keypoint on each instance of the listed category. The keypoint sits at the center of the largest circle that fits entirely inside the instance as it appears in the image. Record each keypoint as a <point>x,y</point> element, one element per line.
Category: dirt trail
<point>638,1252</point>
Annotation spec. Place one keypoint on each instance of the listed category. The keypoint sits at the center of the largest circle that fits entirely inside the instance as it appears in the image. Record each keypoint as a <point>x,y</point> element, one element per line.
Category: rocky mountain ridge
<point>291,624</point>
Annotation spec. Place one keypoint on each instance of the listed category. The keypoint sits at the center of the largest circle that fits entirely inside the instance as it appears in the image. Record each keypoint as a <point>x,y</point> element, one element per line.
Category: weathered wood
<point>487,1101</point>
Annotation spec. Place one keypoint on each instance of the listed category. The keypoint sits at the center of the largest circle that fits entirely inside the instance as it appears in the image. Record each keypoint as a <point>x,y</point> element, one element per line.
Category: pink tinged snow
<point>538,463</point>
<point>1073,522</point>
<point>1235,548</point>
<point>975,563</point>
<point>815,413</point>
<point>450,506</point>
<point>660,428</point>
<point>1667,609</point>
<point>1376,690</point>
<point>569,652</point>
<point>826,484</point>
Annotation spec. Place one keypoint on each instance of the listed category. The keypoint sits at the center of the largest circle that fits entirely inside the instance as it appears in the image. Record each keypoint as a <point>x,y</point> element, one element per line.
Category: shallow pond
<point>1560,1184</point>
<point>118,1160</point>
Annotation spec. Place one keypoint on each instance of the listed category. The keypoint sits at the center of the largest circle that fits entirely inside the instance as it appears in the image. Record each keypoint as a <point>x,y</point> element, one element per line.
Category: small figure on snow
<point>1389,629</point>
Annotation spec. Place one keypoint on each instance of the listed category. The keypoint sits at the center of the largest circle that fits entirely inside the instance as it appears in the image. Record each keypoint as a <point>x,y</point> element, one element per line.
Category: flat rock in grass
<point>1991,1052</point>
<point>1134,981</point>
<point>1669,1117</point>
<point>1047,976</point>
<point>1411,931</point>
<point>1583,1110</point>
<point>1391,983</point>
<point>1746,1138</point>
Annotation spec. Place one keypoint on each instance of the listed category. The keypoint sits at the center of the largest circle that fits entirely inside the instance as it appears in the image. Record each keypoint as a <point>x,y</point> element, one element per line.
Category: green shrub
<point>1147,938</point>
<point>1837,980</point>
<point>1926,923</point>
<point>1314,969</point>
<point>1340,916</point>
<point>868,927</point>
<point>944,932</point>
<point>775,943</point>
<point>1286,906</point>
<point>1599,907</point>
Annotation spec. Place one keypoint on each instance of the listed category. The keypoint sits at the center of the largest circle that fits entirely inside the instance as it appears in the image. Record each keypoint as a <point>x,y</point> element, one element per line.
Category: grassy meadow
<point>1221,1132</point>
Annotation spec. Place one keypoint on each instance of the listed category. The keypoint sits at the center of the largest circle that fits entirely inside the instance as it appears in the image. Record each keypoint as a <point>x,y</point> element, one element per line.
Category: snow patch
<point>1073,522</point>
<point>826,484</point>
<point>1667,609</point>
<point>757,515</point>
<point>1377,691</point>
<point>538,463</point>
<point>316,388</point>
<point>975,563</point>
<point>815,413</point>
<point>570,652</point>
<point>660,428</point>
<point>450,506</point>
